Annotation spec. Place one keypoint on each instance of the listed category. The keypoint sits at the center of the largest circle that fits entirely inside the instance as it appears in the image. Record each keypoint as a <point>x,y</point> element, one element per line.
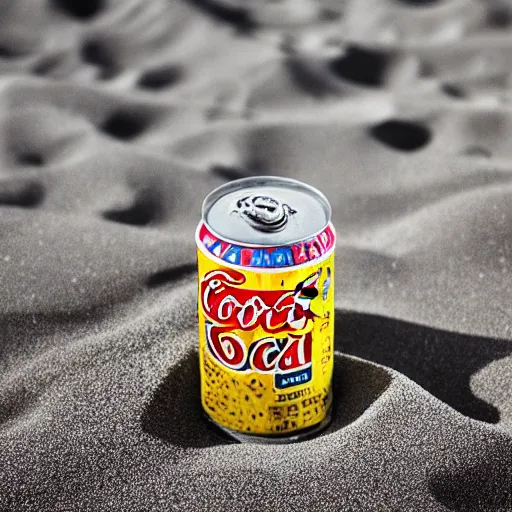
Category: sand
<point>117,117</point>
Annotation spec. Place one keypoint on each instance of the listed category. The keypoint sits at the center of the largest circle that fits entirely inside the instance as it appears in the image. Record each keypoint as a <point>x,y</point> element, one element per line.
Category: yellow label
<point>266,345</point>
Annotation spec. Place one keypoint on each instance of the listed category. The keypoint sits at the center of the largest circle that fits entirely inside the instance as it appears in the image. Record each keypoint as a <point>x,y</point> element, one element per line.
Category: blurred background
<point>122,115</point>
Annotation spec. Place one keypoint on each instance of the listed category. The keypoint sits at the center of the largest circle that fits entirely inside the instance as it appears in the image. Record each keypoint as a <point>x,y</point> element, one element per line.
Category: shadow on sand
<point>174,414</point>
<point>441,362</point>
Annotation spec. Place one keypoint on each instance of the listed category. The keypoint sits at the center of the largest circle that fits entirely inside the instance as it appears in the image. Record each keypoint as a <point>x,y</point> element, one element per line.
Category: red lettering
<point>226,347</point>
<point>296,354</point>
<point>227,304</point>
<point>264,354</point>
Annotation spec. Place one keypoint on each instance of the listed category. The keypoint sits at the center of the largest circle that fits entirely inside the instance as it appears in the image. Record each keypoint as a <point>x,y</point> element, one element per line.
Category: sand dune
<point>118,117</point>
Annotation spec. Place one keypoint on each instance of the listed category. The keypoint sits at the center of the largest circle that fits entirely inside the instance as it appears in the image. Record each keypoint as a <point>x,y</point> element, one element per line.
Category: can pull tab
<point>264,213</point>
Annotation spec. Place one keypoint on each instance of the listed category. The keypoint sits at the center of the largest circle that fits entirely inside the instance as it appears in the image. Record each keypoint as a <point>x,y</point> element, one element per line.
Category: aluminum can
<point>265,248</point>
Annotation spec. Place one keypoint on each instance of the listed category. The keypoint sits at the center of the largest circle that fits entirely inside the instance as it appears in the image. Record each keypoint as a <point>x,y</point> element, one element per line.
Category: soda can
<point>265,248</point>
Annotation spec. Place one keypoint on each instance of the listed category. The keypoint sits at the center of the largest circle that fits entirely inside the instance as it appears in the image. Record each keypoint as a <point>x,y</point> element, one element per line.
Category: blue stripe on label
<point>260,258</point>
<point>282,257</point>
<point>233,254</point>
<point>287,380</point>
<point>216,248</point>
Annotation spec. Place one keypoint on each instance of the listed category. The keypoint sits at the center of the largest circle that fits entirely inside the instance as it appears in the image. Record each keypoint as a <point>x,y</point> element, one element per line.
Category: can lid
<point>266,211</point>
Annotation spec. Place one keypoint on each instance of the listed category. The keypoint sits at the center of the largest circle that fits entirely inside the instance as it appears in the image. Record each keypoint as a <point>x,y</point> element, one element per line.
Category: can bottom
<point>290,437</point>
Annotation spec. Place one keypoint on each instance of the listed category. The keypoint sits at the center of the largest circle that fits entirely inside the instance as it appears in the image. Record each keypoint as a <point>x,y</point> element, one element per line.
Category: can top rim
<point>252,181</point>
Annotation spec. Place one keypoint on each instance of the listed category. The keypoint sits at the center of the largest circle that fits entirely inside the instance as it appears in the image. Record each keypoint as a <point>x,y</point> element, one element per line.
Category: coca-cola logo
<point>265,355</point>
<point>228,307</point>
<point>289,358</point>
<point>227,304</point>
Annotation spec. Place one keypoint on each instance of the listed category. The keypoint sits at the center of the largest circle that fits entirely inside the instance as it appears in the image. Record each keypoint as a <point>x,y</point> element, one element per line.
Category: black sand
<point>116,119</point>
